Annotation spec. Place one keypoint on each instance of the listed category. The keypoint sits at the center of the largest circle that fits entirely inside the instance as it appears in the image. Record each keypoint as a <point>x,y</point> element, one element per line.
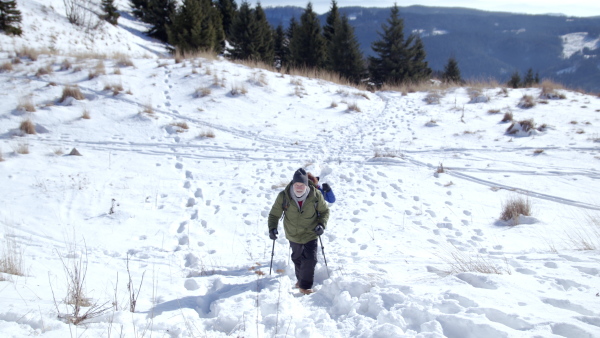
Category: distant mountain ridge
<point>487,44</point>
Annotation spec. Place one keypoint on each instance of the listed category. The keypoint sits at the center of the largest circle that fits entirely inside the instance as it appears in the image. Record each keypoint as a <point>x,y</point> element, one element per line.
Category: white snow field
<point>156,203</point>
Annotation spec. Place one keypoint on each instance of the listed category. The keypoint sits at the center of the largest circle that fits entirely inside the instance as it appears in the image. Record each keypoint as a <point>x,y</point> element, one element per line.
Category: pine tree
<point>265,35</point>
<point>390,66</point>
<point>228,9</point>
<point>451,72</point>
<point>280,47</point>
<point>344,53</point>
<point>10,17</point>
<point>515,80</point>
<point>307,45</point>
<point>158,13</point>
<point>333,20</point>
<point>418,69</point>
<point>529,78</point>
<point>196,27</point>
<point>537,78</point>
<point>110,12</point>
<point>138,8</point>
<point>244,35</point>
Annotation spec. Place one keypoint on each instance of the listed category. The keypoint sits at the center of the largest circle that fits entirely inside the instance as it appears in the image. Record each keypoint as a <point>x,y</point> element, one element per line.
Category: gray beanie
<point>300,176</point>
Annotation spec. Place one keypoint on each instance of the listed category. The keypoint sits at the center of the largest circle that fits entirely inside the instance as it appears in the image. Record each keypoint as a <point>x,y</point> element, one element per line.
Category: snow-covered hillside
<point>157,200</point>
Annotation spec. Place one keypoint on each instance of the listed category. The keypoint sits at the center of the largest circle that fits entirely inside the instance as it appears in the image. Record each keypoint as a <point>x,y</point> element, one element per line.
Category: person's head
<point>300,182</point>
<point>312,178</point>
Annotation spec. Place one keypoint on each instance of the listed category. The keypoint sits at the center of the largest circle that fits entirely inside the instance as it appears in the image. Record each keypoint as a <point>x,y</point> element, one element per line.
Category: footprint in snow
<point>467,212</point>
<point>478,232</point>
<point>465,222</point>
<point>198,193</point>
<point>191,202</point>
<point>351,240</point>
<point>431,213</point>
<point>416,198</point>
<point>179,165</point>
<point>356,212</point>
<point>181,227</point>
<point>384,195</point>
<point>364,247</point>
<point>184,240</point>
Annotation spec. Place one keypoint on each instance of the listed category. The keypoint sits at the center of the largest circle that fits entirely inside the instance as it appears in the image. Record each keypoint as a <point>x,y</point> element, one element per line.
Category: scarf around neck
<point>301,198</point>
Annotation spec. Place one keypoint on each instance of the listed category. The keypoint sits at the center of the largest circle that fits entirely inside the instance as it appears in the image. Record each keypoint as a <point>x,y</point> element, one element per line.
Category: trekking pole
<point>272,253</point>
<point>325,258</point>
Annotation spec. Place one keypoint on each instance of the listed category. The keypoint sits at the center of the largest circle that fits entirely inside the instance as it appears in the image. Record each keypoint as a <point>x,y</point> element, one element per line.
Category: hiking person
<point>305,216</point>
<point>325,189</point>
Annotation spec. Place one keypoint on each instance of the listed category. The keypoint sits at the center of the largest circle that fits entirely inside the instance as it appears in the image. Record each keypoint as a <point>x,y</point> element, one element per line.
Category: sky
<point>583,8</point>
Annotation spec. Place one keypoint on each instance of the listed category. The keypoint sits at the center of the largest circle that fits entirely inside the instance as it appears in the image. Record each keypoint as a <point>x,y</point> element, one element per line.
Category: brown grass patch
<point>22,148</point>
<point>86,115</point>
<point>353,106</point>
<point>207,133</point>
<point>66,65</point>
<point>11,258</point>
<point>98,70</point>
<point>550,91</point>
<point>182,125</point>
<point>27,127</point>
<point>26,104</point>
<point>526,102</point>
<point>202,92</point>
<point>6,67</point>
<point>44,70</point>
<point>116,88</point>
<point>71,91</point>
<point>513,207</point>
<point>508,117</point>
<point>538,151</point>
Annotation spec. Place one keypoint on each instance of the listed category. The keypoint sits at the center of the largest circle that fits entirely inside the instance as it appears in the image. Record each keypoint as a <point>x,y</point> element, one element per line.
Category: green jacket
<point>298,224</point>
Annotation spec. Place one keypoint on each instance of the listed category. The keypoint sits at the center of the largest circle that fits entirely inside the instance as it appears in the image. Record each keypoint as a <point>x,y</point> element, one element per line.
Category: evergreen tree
<point>515,80</point>
<point>228,9</point>
<point>307,45</point>
<point>344,53</point>
<point>196,26</point>
<point>10,17</point>
<point>451,72</point>
<point>390,66</point>
<point>333,20</point>
<point>138,8</point>
<point>110,12</point>
<point>280,47</point>
<point>265,35</point>
<point>244,35</point>
<point>537,78</point>
<point>418,69</point>
<point>158,13</point>
<point>529,79</point>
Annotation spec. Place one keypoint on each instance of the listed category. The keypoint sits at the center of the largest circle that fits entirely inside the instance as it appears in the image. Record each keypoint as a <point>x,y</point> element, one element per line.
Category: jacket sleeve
<point>276,212</point>
<point>329,196</point>
<point>323,210</point>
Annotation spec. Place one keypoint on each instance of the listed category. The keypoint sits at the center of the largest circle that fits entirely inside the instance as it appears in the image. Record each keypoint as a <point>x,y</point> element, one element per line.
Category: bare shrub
<point>71,91</point>
<point>353,106</point>
<point>26,104</point>
<point>440,169</point>
<point>75,300</point>
<point>11,258</point>
<point>202,92</point>
<point>6,67</point>
<point>207,133</point>
<point>79,13</point>
<point>526,102</point>
<point>549,91</point>
<point>514,207</point>
<point>27,127</point>
<point>508,117</point>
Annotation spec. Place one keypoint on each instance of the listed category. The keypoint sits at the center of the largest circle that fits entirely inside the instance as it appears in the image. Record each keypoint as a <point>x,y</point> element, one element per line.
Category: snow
<point>187,215</point>
<point>576,42</point>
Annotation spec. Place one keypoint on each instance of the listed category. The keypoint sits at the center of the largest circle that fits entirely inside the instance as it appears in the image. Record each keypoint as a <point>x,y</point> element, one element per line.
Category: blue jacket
<point>329,196</point>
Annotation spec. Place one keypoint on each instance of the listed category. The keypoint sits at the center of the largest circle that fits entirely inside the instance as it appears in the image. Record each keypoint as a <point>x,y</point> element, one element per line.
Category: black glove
<point>326,187</point>
<point>273,234</point>
<point>319,230</point>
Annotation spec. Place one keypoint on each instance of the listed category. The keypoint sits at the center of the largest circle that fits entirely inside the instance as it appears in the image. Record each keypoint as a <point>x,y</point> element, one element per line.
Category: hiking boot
<point>306,291</point>
<point>297,285</point>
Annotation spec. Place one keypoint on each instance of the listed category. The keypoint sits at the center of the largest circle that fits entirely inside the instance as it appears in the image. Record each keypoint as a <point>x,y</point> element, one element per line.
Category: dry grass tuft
<point>100,69</point>
<point>27,127</point>
<point>207,133</point>
<point>26,104</point>
<point>71,91</point>
<point>433,97</point>
<point>353,106</point>
<point>508,117</point>
<point>182,125</point>
<point>333,104</point>
<point>258,78</point>
<point>514,207</point>
<point>1,156</point>
<point>526,126</point>
<point>116,88</point>
<point>66,65</point>
<point>11,259</point>
<point>550,91</point>
<point>476,96</point>
<point>148,109</point>
<point>44,70</point>
<point>238,89</point>
<point>6,67</point>
<point>22,148</point>
<point>388,153</point>
<point>493,111</point>
<point>30,53</point>
<point>86,114</point>
<point>124,61</point>
<point>538,151</point>
<point>202,92</point>
<point>526,102</point>
<point>460,261</point>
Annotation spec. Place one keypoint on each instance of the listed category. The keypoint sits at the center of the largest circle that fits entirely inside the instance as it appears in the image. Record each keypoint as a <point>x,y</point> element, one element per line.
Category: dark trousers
<point>304,257</point>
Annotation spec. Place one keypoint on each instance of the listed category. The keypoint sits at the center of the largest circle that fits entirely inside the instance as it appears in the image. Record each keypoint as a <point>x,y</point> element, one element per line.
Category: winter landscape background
<point>181,162</point>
